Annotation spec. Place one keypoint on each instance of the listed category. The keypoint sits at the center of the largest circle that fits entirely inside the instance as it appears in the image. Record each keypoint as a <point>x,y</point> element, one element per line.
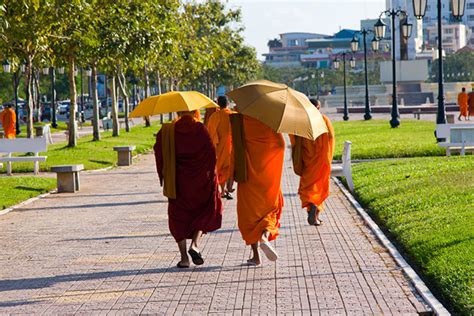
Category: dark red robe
<point>197,205</point>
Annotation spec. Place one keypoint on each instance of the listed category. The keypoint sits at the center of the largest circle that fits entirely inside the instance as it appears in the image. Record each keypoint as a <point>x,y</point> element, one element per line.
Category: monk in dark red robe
<point>186,164</point>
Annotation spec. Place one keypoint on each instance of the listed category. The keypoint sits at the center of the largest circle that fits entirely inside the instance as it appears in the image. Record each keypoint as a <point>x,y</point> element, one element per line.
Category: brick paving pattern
<point>106,250</point>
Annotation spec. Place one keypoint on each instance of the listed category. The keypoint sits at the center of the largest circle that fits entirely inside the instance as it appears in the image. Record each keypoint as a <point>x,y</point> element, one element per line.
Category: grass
<point>94,155</point>
<point>427,206</point>
<point>376,139</point>
<point>14,190</point>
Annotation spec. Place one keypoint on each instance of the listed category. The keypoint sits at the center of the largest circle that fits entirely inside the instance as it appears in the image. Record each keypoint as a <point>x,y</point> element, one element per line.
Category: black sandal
<point>196,257</point>
<point>182,266</point>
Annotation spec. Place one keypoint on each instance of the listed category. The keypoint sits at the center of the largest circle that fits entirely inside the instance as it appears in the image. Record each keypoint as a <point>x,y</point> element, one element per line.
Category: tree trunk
<point>115,122</point>
<point>72,142</point>
<point>158,87</point>
<point>171,86</point>
<point>95,105</point>
<point>147,92</point>
<point>29,97</point>
<point>37,99</point>
<point>123,88</point>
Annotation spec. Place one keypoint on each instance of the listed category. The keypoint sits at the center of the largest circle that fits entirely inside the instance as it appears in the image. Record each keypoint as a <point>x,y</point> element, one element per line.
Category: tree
<point>26,32</point>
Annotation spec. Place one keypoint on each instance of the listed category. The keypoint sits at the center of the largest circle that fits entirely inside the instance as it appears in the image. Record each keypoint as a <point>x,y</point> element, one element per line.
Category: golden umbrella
<point>281,108</point>
<point>174,101</point>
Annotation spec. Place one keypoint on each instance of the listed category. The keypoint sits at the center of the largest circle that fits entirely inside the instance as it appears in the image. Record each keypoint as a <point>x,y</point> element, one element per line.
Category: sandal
<point>312,215</point>
<point>182,266</point>
<point>196,257</point>
<point>268,250</point>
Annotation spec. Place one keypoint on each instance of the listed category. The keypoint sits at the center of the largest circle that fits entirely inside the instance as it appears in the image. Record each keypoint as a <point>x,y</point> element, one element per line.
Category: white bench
<point>23,145</point>
<point>344,169</point>
<point>461,137</point>
<point>443,130</point>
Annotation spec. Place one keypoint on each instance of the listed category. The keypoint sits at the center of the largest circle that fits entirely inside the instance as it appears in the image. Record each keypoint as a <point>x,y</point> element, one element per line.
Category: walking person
<point>471,104</point>
<point>463,102</point>
<point>8,120</point>
<point>221,135</point>
<point>259,153</point>
<point>312,162</point>
<point>186,164</point>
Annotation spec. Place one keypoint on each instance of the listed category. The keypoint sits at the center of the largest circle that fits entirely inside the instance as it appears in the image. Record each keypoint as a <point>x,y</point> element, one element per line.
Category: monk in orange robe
<point>8,119</point>
<point>259,155</point>
<point>221,135</point>
<point>471,104</point>
<point>208,113</point>
<point>315,165</point>
<point>186,163</point>
<point>463,100</point>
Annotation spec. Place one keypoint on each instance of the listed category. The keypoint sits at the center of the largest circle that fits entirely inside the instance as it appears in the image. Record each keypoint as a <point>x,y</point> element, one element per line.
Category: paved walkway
<point>107,250</point>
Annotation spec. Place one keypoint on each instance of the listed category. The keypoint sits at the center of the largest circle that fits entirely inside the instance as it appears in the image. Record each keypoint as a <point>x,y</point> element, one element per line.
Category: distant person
<point>471,104</point>
<point>463,102</point>
<point>186,164</point>
<point>259,153</point>
<point>221,135</point>
<point>312,162</point>
<point>8,119</point>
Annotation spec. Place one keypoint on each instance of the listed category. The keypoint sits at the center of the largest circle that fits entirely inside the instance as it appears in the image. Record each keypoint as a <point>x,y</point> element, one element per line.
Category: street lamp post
<point>406,33</point>
<point>419,8</point>
<point>7,68</point>
<point>54,122</point>
<point>354,48</point>
<point>336,64</point>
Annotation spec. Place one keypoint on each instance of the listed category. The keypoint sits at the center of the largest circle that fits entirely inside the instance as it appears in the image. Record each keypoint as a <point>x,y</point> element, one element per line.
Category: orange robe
<point>208,113</point>
<point>463,100</point>
<point>259,199</point>
<point>221,135</point>
<point>471,103</point>
<point>317,158</point>
<point>8,119</point>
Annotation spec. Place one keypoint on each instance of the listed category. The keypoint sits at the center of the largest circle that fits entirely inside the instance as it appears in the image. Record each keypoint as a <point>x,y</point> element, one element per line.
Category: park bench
<point>23,145</point>
<point>124,155</point>
<point>461,138</point>
<point>345,168</point>
<point>68,177</point>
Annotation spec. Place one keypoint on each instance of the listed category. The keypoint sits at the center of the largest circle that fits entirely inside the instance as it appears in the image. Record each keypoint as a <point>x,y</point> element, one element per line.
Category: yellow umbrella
<point>174,101</point>
<point>281,108</point>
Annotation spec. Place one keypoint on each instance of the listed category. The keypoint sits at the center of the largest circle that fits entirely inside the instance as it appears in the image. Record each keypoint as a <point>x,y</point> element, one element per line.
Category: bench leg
<point>77,183</point>
<point>448,152</point>
<point>36,168</point>
<point>124,158</point>
<point>9,168</point>
<point>66,182</point>
<point>348,175</point>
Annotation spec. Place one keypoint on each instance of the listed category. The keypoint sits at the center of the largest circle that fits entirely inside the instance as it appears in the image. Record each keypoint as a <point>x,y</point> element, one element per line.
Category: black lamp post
<point>52,73</point>
<point>7,69</point>
<point>406,29</point>
<point>336,64</point>
<point>419,8</point>
<point>354,48</point>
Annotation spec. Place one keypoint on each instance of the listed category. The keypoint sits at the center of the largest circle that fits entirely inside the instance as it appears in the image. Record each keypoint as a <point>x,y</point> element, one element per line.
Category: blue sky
<point>265,19</point>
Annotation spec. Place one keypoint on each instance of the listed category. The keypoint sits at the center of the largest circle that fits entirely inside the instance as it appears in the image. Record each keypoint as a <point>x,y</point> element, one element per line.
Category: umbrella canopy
<point>174,101</point>
<point>281,108</point>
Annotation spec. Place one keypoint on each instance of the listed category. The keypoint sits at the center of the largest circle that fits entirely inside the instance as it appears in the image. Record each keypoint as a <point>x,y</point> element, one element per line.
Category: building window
<point>470,17</point>
<point>293,42</point>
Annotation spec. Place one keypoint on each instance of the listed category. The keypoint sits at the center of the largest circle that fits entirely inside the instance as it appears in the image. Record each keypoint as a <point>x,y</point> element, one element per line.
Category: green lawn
<point>376,139</point>
<point>94,155</point>
<point>14,190</point>
<point>427,206</point>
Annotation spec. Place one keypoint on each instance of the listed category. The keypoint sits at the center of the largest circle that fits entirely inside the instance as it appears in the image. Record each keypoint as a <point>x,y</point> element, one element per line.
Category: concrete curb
<point>420,286</point>
<point>29,201</point>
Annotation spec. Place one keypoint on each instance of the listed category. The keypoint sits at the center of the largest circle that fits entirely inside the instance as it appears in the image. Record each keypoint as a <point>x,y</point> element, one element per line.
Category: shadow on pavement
<point>43,282</point>
<point>90,206</point>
